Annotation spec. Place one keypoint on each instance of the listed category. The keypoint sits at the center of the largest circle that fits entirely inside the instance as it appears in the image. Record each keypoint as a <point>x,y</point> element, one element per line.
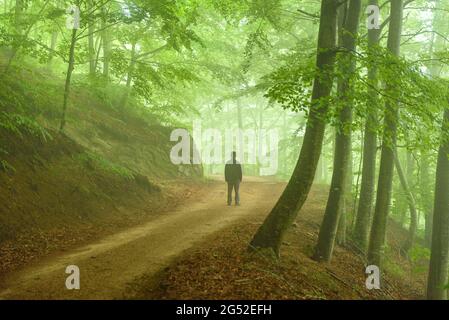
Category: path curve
<point>108,266</point>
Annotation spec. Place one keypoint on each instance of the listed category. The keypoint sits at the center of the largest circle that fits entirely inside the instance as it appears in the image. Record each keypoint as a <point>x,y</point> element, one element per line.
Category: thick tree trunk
<point>346,213</point>
<point>341,229</point>
<point>426,196</point>
<point>70,68</point>
<point>378,230</point>
<point>435,68</point>
<point>328,230</point>
<point>271,233</point>
<point>439,257</point>
<point>363,219</point>
<point>412,206</point>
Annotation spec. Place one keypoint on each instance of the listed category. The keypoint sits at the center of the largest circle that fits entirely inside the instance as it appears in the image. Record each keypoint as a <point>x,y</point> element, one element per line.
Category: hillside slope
<point>108,169</point>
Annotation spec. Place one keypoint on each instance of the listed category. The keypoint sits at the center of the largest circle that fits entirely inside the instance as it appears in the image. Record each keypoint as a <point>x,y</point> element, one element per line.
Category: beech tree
<point>367,190</point>
<point>332,214</point>
<point>271,232</point>
<point>439,258</point>
<point>389,137</point>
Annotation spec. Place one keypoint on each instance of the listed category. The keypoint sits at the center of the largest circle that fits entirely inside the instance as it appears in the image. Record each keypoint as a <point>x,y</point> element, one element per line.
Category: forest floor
<point>198,251</point>
<point>222,268</point>
<point>111,267</point>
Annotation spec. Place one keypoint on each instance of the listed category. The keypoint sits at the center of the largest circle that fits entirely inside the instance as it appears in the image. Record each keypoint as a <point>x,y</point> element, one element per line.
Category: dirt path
<point>108,266</point>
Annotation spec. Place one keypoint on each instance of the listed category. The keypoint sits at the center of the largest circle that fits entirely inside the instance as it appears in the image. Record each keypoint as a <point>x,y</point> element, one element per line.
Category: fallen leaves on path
<point>222,268</point>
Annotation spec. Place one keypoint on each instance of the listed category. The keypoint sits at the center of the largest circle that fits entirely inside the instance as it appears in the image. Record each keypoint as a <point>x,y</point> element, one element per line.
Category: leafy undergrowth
<point>132,137</point>
<point>221,268</point>
<point>56,195</point>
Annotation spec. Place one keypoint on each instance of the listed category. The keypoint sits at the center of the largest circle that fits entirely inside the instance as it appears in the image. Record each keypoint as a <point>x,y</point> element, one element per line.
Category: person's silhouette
<point>233,176</point>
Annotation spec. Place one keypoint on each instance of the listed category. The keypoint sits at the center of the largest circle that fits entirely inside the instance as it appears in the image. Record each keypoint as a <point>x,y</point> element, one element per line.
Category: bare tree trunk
<point>437,43</point>
<point>106,45</point>
<point>341,228</point>
<point>363,217</point>
<point>328,230</point>
<point>98,45</point>
<point>412,206</point>
<point>378,230</point>
<point>129,78</point>
<point>70,68</point>
<point>18,14</point>
<point>439,257</point>
<point>91,42</point>
<point>54,40</point>
<point>271,233</point>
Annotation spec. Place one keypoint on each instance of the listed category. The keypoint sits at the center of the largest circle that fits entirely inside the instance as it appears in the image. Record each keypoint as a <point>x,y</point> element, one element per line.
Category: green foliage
<point>4,165</point>
<point>421,98</point>
<point>291,83</point>
<point>20,124</point>
<point>419,258</point>
<point>96,161</point>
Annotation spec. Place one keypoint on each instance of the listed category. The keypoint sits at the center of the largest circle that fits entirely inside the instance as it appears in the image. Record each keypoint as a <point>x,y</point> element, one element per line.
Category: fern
<point>19,124</point>
<point>5,166</point>
<point>105,165</point>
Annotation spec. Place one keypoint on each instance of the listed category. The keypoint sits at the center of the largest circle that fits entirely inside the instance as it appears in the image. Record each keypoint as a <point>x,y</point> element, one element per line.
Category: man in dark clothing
<point>233,176</point>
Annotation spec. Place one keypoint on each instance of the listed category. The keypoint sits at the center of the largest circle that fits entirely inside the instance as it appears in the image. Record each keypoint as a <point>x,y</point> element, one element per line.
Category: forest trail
<point>109,266</point>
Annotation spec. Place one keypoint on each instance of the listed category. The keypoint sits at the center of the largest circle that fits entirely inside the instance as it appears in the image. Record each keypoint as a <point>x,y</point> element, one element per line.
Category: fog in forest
<point>224,150</point>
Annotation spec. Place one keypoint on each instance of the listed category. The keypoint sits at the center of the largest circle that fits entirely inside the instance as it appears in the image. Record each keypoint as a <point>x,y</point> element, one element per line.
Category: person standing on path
<point>233,176</point>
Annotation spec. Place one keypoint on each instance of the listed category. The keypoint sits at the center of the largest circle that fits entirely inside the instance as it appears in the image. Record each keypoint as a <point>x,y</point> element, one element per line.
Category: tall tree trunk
<point>98,45</point>
<point>439,257</point>
<point>53,42</point>
<point>271,233</point>
<point>18,14</point>
<point>70,68</point>
<point>341,229</point>
<point>437,43</point>
<point>411,203</point>
<point>284,139</point>
<point>328,230</point>
<point>260,126</point>
<point>91,42</point>
<point>324,166</point>
<point>129,78</point>
<point>363,219</point>
<point>378,230</point>
<point>346,208</point>
<point>426,197</point>
<point>240,133</point>
<point>239,114</point>
<point>106,45</point>
<point>20,33</point>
